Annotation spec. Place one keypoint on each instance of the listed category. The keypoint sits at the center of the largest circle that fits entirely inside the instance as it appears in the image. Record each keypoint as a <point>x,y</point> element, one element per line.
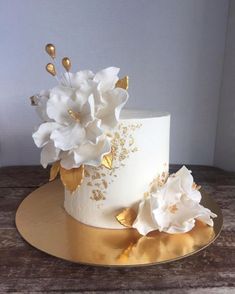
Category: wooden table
<point>25,269</point>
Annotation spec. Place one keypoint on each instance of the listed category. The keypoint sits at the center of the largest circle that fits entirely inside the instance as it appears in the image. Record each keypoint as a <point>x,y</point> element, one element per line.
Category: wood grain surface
<point>24,269</point>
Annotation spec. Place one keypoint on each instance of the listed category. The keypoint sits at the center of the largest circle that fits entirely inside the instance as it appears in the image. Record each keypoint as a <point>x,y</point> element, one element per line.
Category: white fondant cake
<point>141,153</point>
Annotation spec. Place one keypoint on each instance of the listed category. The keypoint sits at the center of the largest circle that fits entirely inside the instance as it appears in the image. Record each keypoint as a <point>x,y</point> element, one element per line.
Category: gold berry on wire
<point>51,69</point>
<point>50,49</point>
<point>66,63</point>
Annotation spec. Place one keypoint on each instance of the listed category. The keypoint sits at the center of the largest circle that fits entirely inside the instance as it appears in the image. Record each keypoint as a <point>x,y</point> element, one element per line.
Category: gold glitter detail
<point>173,208</point>
<point>96,176</point>
<point>97,195</point>
<point>87,175</point>
<point>105,184</point>
<point>159,181</point>
<point>131,141</point>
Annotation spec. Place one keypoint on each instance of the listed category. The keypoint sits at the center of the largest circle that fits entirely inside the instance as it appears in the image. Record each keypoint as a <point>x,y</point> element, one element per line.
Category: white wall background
<point>225,143</point>
<point>173,51</point>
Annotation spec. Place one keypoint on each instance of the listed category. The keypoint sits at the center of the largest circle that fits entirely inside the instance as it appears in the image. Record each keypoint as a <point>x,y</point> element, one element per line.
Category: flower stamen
<point>172,208</point>
<point>74,115</point>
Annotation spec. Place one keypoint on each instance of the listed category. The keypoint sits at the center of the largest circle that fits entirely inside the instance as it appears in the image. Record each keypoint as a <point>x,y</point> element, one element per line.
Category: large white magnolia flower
<point>173,207</point>
<point>76,114</point>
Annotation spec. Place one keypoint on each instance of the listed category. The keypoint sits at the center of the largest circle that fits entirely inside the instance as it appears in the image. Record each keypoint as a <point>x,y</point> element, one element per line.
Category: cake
<point>113,162</point>
<point>140,138</point>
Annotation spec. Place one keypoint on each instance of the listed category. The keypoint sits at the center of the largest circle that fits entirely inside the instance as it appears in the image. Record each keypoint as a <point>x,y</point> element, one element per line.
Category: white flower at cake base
<point>77,115</point>
<point>174,207</point>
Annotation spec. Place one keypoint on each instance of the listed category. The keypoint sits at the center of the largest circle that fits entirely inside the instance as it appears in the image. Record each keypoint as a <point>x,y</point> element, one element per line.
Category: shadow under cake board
<point>42,221</point>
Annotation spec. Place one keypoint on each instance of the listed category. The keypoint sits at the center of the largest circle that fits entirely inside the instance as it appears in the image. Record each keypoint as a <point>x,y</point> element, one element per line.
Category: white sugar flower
<point>76,115</point>
<point>173,207</point>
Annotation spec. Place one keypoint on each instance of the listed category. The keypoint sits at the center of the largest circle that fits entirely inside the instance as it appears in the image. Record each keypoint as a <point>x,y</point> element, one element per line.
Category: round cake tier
<point>140,154</point>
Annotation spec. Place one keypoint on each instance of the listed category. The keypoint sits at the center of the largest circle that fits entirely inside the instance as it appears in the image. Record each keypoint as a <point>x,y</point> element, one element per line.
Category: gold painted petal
<point>55,168</point>
<point>127,217</point>
<point>72,178</point>
<point>107,160</point>
<point>34,100</point>
<point>123,83</point>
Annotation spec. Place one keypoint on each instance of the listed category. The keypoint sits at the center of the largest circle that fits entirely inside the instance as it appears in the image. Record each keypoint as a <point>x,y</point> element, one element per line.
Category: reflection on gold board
<point>42,221</point>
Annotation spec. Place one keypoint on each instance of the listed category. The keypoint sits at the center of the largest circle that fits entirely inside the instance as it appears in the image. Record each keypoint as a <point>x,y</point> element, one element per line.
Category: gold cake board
<point>42,222</point>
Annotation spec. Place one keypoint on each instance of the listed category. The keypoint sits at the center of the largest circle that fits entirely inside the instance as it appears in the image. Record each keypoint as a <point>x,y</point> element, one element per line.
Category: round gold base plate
<point>42,222</point>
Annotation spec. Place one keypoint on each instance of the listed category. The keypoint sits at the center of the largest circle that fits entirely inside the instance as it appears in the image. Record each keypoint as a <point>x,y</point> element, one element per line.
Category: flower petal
<point>187,184</point>
<point>144,222</point>
<point>93,131</point>
<point>85,89</point>
<point>91,154</point>
<point>68,137</point>
<point>114,101</point>
<point>107,78</point>
<point>49,154</point>
<point>42,135</point>
<point>87,113</point>
<point>67,160</point>
<point>42,105</point>
<point>58,106</point>
<point>173,207</point>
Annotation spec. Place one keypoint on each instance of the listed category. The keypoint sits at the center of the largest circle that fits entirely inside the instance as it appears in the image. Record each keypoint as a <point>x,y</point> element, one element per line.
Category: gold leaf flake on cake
<point>126,217</point>
<point>97,195</point>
